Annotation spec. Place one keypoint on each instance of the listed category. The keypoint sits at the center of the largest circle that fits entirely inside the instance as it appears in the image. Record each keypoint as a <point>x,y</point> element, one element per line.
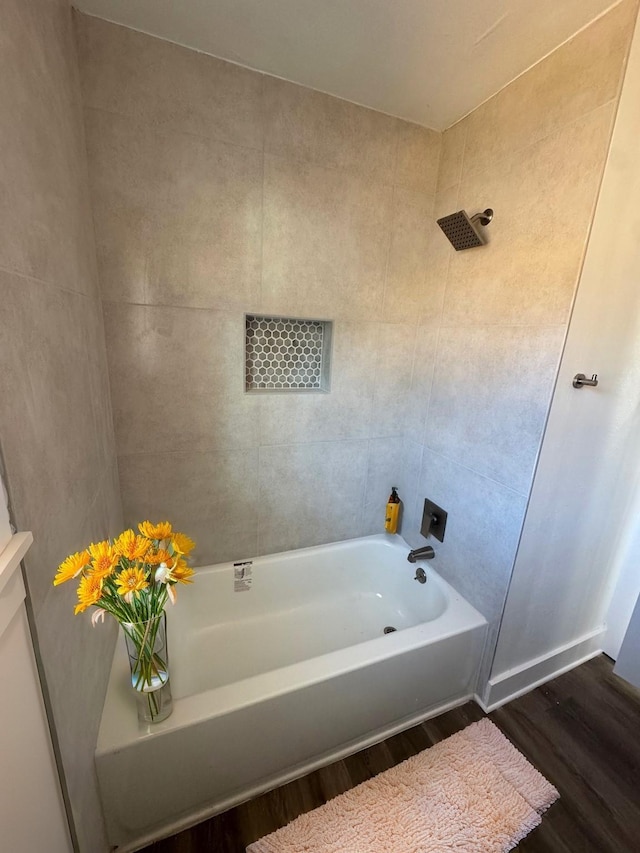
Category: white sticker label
<point>242,579</point>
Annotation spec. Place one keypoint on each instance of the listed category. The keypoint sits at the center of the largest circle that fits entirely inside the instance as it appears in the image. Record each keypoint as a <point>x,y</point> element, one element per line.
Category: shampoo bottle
<point>393,511</point>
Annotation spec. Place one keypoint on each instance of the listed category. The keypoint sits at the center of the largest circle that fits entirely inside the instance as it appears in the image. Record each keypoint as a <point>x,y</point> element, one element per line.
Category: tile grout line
<point>172,131</point>
<point>391,222</point>
<point>264,163</point>
<point>259,404</point>
<point>51,284</point>
<point>245,448</point>
<point>259,481</point>
<point>436,354</point>
<point>524,495</point>
<point>361,511</point>
<point>368,176</point>
<point>532,142</point>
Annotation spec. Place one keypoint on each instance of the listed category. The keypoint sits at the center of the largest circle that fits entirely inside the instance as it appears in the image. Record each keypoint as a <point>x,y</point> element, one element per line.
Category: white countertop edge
<point>12,554</point>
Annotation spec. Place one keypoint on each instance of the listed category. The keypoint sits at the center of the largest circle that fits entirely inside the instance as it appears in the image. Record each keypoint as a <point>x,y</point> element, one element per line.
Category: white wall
<point>628,663</point>
<point>586,475</point>
<point>626,567</point>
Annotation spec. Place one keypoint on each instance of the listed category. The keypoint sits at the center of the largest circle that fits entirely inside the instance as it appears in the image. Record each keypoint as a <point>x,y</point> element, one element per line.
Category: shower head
<point>465,233</point>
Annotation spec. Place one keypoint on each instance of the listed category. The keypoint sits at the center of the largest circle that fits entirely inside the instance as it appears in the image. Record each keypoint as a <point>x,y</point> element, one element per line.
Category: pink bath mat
<point>471,793</point>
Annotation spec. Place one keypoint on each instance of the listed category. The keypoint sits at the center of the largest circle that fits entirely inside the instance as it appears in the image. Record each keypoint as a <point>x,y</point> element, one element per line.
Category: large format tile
<point>413,415</point>
<point>211,496</point>
<point>45,221</point>
<point>409,289</point>
<point>418,158</point>
<point>445,202</point>
<point>483,526</point>
<point>386,467</point>
<point>65,531</point>
<point>170,87</point>
<point>109,508</point>
<point>543,198</point>
<point>303,124</point>
<point>50,441</point>
<point>490,396</point>
<point>310,494</point>
<point>345,411</point>
<point>55,536</point>
<point>578,77</point>
<point>178,217</point>
<point>130,175</point>
<point>393,375</point>
<point>412,494</point>
<point>99,395</point>
<point>177,379</point>
<point>452,155</point>
<point>440,255</point>
<point>325,241</point>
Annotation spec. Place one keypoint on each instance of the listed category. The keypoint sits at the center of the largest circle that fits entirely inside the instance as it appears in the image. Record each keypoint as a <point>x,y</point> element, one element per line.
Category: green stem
<point>147,664</point>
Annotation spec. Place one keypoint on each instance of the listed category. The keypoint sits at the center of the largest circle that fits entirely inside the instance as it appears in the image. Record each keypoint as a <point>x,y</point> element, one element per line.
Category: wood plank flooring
<point>582,731</point>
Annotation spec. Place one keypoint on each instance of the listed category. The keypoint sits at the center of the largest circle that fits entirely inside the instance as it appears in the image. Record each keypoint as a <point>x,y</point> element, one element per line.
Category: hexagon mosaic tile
<point>284,354</point>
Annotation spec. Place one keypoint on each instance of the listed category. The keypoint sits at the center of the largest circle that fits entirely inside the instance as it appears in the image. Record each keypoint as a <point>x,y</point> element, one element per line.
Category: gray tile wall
<point>55,418</point>
<point>218,191</point>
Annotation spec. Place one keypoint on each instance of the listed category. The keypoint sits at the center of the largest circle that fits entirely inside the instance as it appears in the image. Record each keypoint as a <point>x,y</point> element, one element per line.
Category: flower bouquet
<point>132,578</point>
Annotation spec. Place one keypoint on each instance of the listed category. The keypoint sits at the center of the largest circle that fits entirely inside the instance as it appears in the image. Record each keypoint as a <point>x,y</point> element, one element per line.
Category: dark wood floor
<point>582,731</point>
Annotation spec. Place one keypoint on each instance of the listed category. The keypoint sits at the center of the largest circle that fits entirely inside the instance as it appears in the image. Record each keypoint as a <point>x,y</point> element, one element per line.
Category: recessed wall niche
<point>287,354</point>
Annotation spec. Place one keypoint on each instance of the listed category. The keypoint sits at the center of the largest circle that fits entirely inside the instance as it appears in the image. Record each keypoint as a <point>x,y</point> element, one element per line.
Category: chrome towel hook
<point>580,380</point>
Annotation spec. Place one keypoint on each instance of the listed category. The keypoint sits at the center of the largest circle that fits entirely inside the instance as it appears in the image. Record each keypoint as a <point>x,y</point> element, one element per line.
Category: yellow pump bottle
<point>393,512</point>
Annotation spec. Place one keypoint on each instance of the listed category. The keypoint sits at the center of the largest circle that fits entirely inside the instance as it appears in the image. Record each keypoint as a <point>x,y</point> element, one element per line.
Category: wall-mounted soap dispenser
<point>392,514</point>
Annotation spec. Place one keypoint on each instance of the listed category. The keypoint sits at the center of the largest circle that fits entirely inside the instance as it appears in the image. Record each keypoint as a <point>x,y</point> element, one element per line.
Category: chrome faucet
<point>426,553</point>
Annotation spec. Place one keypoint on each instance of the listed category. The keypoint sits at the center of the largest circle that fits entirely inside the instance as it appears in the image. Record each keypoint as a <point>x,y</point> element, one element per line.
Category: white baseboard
<point>521,679</point>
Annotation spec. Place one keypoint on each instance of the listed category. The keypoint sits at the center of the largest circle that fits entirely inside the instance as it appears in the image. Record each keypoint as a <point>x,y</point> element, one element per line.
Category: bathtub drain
<point>389,629</point>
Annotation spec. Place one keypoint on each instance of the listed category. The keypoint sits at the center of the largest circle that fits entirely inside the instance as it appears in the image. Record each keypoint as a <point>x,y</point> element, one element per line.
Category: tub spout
<point>426,553</point>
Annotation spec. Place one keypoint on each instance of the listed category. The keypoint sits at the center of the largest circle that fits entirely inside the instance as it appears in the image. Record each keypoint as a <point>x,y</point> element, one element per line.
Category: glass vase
<point>149,663</point>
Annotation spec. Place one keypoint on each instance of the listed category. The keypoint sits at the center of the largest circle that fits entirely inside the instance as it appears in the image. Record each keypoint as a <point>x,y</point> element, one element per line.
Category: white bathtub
<point>275,681</point>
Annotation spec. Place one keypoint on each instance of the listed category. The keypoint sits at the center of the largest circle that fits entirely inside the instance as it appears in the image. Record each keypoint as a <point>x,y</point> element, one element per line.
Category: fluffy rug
<point>471,793</point>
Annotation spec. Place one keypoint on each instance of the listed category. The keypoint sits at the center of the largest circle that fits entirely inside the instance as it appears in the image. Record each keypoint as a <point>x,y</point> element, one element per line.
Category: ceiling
<point>429,61</point>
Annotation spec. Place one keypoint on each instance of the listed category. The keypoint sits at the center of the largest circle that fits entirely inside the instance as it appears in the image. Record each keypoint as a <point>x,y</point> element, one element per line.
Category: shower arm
<point>483,218</point>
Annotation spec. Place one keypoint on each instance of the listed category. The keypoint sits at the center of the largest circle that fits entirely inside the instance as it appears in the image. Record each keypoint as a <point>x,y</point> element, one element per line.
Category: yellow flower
<point>182,572</point>
<point>131,546</point>
<point>71,567</point>
<point>130,581</point>
<point>161,530</point>
<point>104,558</point>
<point>182,543</point>
<point>154,558</point>
<point>89,592</point>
